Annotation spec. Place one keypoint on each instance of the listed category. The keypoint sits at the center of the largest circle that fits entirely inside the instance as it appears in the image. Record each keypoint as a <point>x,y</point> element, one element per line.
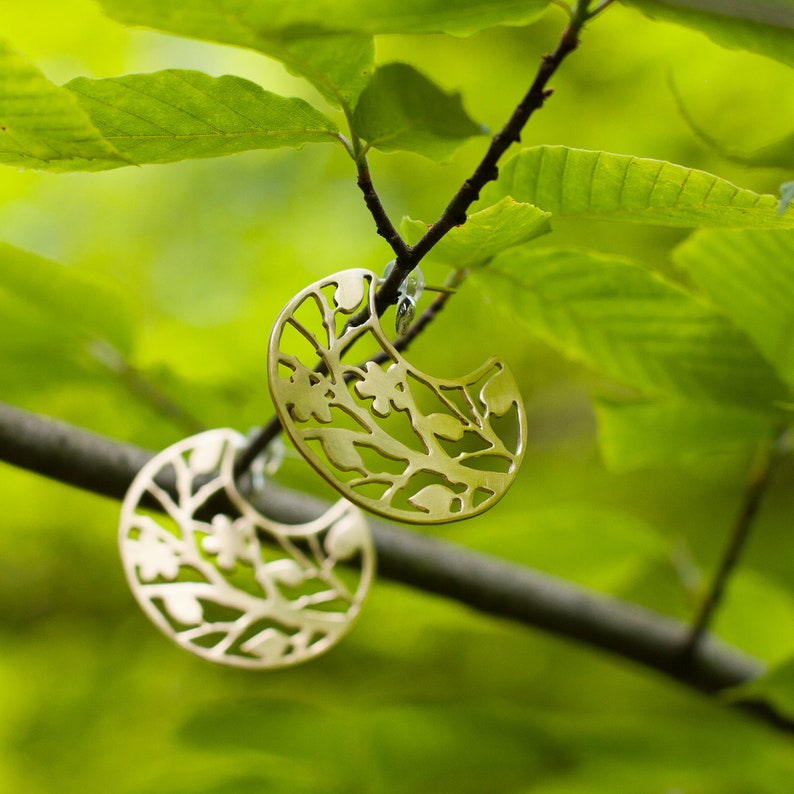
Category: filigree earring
<point>224,581</point>
<point>392,439</point>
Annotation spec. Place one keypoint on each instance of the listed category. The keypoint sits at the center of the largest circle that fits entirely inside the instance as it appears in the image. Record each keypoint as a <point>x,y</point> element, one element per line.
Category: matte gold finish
<point>237,588</point>
<point>392,439</point>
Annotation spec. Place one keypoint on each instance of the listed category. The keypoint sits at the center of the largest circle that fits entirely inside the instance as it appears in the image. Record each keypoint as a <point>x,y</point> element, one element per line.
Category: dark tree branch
<point>754,493</point>
<point>93,462</point>
<point>487,170</point>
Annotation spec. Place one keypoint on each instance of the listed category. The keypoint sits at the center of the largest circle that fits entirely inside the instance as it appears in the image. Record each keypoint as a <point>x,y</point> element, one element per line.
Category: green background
<point>424,695</point>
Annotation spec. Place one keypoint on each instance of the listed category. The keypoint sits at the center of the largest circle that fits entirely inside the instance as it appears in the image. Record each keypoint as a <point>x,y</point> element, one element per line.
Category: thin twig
<point>757,487</point>
<point>408,257</point>
<point>455,212</point>
<point>104,466</point>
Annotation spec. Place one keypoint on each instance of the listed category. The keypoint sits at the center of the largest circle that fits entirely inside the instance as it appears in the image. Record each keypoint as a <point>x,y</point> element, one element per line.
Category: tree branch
<point>495,587</point>
<point>455,212</point>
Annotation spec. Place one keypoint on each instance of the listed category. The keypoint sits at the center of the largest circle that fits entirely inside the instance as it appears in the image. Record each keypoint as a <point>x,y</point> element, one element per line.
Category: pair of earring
<point>236,587</point>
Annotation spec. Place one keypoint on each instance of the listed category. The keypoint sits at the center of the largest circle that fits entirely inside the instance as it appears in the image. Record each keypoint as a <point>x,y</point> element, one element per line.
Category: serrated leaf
<point>762,26</point>
<point>400,109</point>
<point>42,126</point>
<point>70,301</point>
<point>486,233</point>
<point>616,187</point>
<point>749,275</point>
<point>178,114</point>
<point>629,323</point>
<point>338,64</point>
<point>640,435</point>
<point>249,17</point>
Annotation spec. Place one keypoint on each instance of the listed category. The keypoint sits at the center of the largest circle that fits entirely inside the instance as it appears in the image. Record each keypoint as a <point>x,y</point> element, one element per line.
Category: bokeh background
<point>424,695</point>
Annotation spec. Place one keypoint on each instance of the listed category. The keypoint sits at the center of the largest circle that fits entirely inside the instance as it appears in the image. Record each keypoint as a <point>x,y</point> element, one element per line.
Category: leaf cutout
<point>43,127</point>
<point>178,114</point>
<point>762,26</point>
<point>286,572</point>
<point>346,538</point>
<point>396,411</point>
<point>575,183</point>
<point>434,499</point>
<point>446,426</point>
<point>499,392</point>
<point>400,109</point>
<point>749,276</point>
<point>632,325</point>
<point>183,606</point>
<point>340,450</point>
<point>486,233</point>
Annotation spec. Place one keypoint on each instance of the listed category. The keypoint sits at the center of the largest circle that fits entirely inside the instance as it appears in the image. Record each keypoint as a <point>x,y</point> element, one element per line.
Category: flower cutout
<point>154,556</point>
<point>387,388</point>
<point>230,540</point>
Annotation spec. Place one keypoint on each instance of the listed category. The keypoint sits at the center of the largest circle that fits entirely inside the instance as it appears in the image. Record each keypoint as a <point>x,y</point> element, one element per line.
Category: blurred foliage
<point>423,695</point>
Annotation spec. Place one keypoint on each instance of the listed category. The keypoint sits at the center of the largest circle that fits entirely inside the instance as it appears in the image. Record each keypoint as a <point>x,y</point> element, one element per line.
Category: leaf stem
<point>757,486</point>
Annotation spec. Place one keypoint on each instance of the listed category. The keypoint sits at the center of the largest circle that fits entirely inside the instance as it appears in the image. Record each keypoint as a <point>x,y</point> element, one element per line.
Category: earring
<point>224,581</point>
<point>391,439</point>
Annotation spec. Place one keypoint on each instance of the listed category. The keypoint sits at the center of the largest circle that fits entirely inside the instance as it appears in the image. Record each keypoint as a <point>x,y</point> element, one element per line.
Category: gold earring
<point>391,439</point>
<point>224,581</point>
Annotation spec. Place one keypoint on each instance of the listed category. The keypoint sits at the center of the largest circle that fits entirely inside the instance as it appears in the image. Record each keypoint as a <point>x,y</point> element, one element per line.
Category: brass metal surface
<point>392,439</point>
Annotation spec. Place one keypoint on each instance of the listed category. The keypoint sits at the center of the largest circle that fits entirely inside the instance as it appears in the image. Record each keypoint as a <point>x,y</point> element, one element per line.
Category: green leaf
<point>749,275</point>
<point>223,18</point>
<point>337,64</point>
<point>70,301</point>
<point>639,435</point>
<point>776,688</point>
<point>178,114</point>
<point>42,126</point>
<point>505,224</point>
<point>401,109</point>
<point>616,187</point>
<point>762,26</point>
<point>622,320</point>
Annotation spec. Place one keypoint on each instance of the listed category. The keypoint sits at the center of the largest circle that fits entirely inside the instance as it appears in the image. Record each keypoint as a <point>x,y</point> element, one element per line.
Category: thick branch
<point>86,460</point>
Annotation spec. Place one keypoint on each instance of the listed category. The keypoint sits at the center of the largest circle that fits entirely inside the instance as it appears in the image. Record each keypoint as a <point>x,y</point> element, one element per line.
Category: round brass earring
<point>227,583</point>
<point>391,439</point>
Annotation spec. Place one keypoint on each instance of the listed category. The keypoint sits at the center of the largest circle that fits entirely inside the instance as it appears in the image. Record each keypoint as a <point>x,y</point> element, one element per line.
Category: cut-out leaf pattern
<point>262,626</point>
<point>576,183</point>
<point>422,481</point>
